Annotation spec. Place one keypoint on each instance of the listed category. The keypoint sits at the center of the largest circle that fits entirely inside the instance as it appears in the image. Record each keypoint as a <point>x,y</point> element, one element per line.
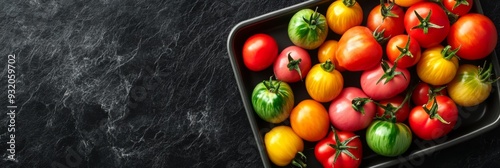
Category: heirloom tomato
<point>438,65</point>
<point>352,110</point>
<point>339,149</point>
<point>403,49</point>
<point>273,100</point>
<point>307,29</point>
<point>282,145</point>
<point>292,65</point>
<point>406,3</point>
<point>458,7</point>
<point>358,49</point>
<point>388,138</point>
<point>327,51</point>
<point>421,93</point>
<point>392,107</point>
<point>341,15</point>
<point>385,81</point>
<point>309,120</point>
<point>475,35</point>
<point>259,52</point>
<point>388,18</point>
<point>434,119</point>
<point>472,85</point>
<point>427,22</point>
<point>324,82</point>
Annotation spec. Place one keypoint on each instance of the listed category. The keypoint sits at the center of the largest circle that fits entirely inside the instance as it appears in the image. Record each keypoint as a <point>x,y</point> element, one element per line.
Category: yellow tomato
<point>310,120</point>
<point>438,65</point>
<point>471,86</point>
<point>344,14</point>
<point>282,144</point>
<point>406,3</point>
<point>323,82</point>
<point>327,51</point>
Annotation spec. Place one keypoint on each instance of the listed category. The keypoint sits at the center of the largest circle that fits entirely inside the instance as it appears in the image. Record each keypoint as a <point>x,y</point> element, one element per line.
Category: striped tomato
<point>388,138</point>
<point>273,100</point>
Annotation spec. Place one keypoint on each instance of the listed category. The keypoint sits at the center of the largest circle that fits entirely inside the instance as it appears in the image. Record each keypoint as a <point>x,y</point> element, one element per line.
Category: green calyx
<point>273,88</point>
<point>313,19</point>
<point>486,73</point>
<point>379,35</point>
<point>327,66</point>
<point>349,3</point>
<point>358,103</point>
<point>299,159</point>
<point>448,53</point>
<point>425,23</point>
<point>460,2</point>
<point>433,112</point>
<point>294,65</point>
<point>343,147</point>
<point>386,11</point>
<point>389,72</point>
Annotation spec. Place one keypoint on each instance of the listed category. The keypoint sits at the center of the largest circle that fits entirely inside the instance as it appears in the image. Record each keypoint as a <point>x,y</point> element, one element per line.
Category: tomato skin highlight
<point>325,154</point>
<point>358,50</point>
<point>344,117</point>
<point>323,82</point>
<point>341,17</point>
<point>434,36</point>
<point>387,138</point>
<point>308,34</point>
<point>309,120</point>
<point>428,128</point>
<point>433,68</point>
<point>475,34</point>
<point>273,105</point>
<point>259,52</point>
<point>467,89</point>
<point>281,69</point>
<point>282,144</point>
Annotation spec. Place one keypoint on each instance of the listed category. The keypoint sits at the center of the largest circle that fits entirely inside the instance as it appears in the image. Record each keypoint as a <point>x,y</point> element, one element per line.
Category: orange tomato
<point>309,120</point>
<point>406,3</point>
<point>327,51</point>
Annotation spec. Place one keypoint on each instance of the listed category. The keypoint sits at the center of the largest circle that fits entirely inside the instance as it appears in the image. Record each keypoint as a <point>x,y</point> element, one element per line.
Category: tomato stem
<point>342,147</point>
<point>448,53</point>
<point>379,35</point>
<point>349,3</point>
<point>433,112</point>
<point>404,51</point>
<point>425,24</point>
<point>485,75</point>
<point>294,64</point>
<point>271,86</point>
<point>460,2</point>
<point>328,66</point>
<point>359,102</point>
<point>299,161</point>
<point>386,11</point>
<point>389,72</point>
<point>313,19</point>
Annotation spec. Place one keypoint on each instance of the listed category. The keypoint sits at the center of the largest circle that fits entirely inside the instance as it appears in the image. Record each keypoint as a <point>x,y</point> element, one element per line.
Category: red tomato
<point>385,81</point>
<point>389,18</point>
<point>431,28</point>
<point>420,95</point>
<point>475,34</point>
<point>437,122</point>
<point>358,50</point>
<point>292,65</point>
<point>395,102</point>
<point>259,52</point>
<point>403,46</point>
<point>332,151</point>
<point>345,117</point>
<point>309,119</point>
<point>458,7</point>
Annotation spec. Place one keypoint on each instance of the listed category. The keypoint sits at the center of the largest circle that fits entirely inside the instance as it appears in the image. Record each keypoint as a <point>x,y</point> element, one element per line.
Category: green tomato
<point>387,138</point>
<point>308,29</point>
<point>273,100</point>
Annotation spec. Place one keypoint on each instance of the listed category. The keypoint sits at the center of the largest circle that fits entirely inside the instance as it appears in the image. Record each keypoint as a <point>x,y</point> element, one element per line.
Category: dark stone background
<point>124,83</point>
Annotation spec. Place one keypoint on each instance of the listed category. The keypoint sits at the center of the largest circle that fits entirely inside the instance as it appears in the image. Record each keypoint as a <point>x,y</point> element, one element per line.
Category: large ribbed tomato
<point>358,49</point>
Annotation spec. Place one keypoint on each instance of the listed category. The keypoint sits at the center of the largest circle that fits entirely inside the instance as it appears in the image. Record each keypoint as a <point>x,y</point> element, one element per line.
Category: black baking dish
<point>473,121</point>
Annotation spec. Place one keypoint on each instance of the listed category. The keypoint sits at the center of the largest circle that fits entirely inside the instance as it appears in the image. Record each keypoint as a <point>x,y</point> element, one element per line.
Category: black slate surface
<point>110,83</point>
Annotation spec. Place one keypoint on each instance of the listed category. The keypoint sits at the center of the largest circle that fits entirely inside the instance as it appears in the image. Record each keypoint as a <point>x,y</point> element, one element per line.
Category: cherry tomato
<point>292,65</point>
<point>458,7</point>
<point>427,22</point>
<point>324,82</point>
<point>435,119</point>
<point>307,29</point>
<point>259,52</point>
<point>327,51</point>
<point>475,35</point>
<point>385,81</point>
<point>393,103</point>
<point>282,144</point>
<point>341,15</point>
<point>420,95</point>
<point>404,49</point>
<point>309,120</point>
<point>358,50</point>
<point>387,17</point>
<point>339,149</point>
<point>352,110</point>
<point>472,85</point>
<point>388,138</point>
<point>406,3</point>
<point>438,65</point>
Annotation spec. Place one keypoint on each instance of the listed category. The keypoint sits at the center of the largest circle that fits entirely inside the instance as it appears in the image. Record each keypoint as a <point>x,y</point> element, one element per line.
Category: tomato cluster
<point>428,37</point>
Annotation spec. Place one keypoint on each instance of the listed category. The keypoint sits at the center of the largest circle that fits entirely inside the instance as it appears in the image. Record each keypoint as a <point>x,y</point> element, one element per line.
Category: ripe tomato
<point>406,3</point>
<point>344,14</point>
<point>392,104</point>
<point>427,22</point>
<point>471,86</point>
<point>309,120</point>
<point>358,50</point>
<point>438,65</point>
<point>436,120</point>
<point>259,52</point>
<point>386,17</point>
<point>273,100</point>
<point>307,29</point>
<point>404,49</point>
<point>327,51</point>
<point>339,149</point>
<point>458,7</point>
<point>388,138</point>
<point>292,65</point>
<point>282,144</point>
<point>351,110</point>
<point>385,81</point>
<point>324,82</point>
<point>420,95</point>
<point>475,34</point>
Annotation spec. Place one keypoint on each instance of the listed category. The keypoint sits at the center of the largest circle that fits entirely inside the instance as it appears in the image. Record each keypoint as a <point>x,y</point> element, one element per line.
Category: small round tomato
<point>339,149</point>
<point>390,106</point>
<point>352,110</point>
<point>358,50</point>
<point>420,95</point>
<point>388,138</point>
<point>471,86</point>
<point>307,29</point>
<point>458,7</point>
<point>292,65</point>
<point>427,22</point>
<point>282,144</point>
<point>327,51</point>
<point>406,3</point>
<point>386,17</point>
<point>309,120</point>
<point>435,119</point>
<point>475,35</point>
<point>259,52</point>
<point>438,65</point>
<point>385,81</point>
<point>341,15</point>
<point>273,100</point>
<point>324,82</point>
<point>403,49</point>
